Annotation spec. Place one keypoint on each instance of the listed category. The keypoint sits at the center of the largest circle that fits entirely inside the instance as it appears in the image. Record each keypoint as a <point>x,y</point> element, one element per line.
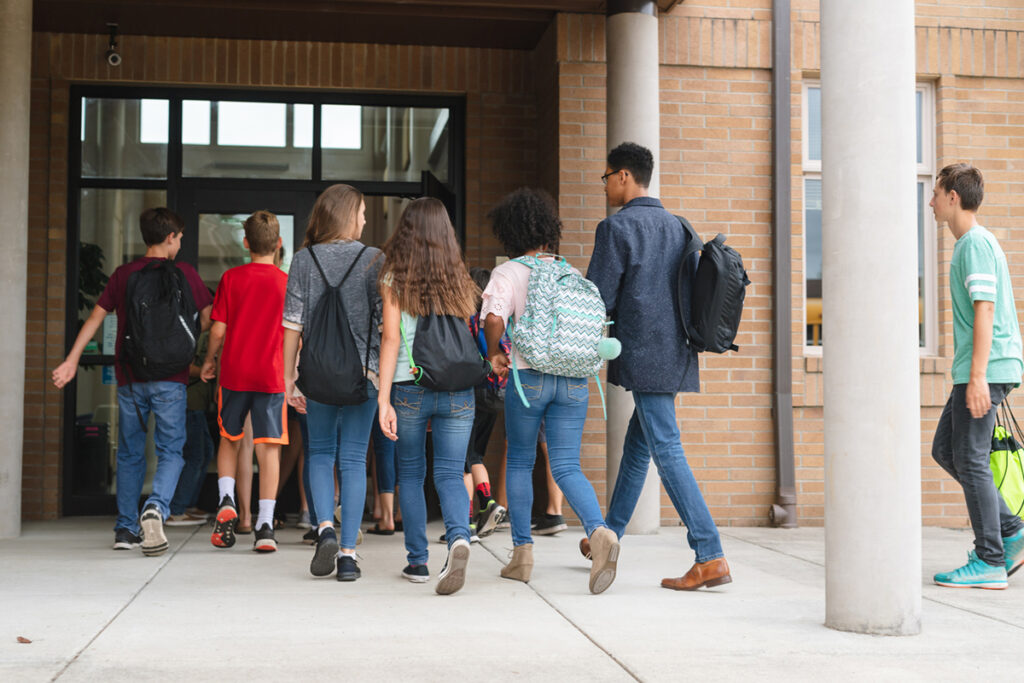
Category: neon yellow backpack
<point>1006,461</point>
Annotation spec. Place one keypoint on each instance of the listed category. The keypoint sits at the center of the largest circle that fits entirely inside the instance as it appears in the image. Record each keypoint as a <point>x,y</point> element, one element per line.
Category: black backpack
<point>711,300</point>
<point>162,325</point>
<point>329,367</point>
<point>447,358</point>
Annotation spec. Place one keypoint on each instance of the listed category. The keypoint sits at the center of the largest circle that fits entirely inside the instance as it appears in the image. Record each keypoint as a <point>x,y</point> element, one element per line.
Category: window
<point>927,257</point>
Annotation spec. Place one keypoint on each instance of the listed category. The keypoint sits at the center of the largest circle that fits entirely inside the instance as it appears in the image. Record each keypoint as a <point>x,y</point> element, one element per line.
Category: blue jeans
<point>327,424</point>
<point>653,433</point>
<point>384,454</point>
<point>450,415</point>
<point>304,430</point>
<point>197,452</point>
<point>560,402</point>
<point>166,401</point>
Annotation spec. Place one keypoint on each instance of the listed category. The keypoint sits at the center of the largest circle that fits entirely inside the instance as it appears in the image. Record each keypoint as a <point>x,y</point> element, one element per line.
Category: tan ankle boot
<point>521,564</point>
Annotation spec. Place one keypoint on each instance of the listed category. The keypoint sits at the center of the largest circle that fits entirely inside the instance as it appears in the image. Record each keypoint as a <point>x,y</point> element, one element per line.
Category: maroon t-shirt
<point>113,299</point>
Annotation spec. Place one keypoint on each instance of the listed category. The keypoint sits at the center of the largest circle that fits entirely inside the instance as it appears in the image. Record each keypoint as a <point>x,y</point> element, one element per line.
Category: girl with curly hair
<point>424,274</point>
<point>526,224</point>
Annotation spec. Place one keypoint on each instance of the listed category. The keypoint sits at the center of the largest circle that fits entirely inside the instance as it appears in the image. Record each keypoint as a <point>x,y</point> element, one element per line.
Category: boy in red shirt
<point>247,314</point>
<point>164,397</point>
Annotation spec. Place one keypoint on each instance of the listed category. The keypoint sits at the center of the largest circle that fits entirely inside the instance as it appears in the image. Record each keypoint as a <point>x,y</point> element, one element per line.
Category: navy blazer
<point>636,257</point>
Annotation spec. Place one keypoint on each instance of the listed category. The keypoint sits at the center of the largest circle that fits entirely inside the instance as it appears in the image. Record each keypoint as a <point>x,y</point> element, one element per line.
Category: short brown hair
<point>967,181</point>
<point>157,223</point>
<point>334,215</point>
<point>262,230</point>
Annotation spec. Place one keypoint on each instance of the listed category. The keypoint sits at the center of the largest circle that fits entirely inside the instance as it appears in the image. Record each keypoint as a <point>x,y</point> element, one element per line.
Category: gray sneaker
<point>453,575</point>
<point>154,542</point>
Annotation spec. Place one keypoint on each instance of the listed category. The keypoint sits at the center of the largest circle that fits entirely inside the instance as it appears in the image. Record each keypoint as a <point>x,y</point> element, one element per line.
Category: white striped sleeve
<point>981,286</point>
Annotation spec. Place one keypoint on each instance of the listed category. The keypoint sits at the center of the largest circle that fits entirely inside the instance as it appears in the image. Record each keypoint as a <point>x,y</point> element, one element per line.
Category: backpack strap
<point>408,352</point>
<point>693,245</point>
<point>344,277</point>
<point>515,371</point>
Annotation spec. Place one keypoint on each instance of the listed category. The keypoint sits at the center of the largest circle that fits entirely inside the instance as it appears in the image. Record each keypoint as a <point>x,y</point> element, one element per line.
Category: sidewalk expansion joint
<point>166,560</point>
<point>622,665</point>
<point>936,601</point>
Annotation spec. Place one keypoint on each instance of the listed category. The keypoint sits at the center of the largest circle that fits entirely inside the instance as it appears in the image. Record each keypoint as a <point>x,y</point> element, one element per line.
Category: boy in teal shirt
<point>987,365</point>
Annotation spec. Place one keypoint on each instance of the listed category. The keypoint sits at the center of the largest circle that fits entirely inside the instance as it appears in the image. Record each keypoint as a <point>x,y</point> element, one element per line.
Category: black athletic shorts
<point>269,415</point>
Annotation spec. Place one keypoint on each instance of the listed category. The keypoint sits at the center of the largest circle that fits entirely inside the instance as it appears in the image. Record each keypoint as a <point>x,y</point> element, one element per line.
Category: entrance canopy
<point>468,23</point>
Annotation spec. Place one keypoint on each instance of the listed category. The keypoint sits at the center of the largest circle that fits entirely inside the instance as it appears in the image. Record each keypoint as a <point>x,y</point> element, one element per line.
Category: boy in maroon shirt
<point>161,231</point>
<point>246,317</point>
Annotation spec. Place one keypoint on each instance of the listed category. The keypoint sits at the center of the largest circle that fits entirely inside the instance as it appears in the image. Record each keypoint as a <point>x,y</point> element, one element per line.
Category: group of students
<point>268,350</point>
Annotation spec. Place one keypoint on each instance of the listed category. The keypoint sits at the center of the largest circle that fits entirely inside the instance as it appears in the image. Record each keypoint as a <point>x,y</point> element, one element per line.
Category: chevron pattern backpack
<point>563,323</point>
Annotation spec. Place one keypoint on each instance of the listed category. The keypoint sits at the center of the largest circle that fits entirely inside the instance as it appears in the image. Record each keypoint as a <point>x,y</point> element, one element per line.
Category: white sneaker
<point>453,575</point>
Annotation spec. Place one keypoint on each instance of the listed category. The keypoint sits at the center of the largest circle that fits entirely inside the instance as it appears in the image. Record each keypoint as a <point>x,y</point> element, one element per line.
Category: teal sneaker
<point>974,574</point>
<point>1013,551</point>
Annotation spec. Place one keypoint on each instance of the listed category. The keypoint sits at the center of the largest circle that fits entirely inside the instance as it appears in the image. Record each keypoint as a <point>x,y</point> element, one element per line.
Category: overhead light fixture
<point>113,56</point>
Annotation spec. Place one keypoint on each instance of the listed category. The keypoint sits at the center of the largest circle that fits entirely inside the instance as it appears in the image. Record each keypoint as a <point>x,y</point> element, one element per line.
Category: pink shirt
<point>505,296</point>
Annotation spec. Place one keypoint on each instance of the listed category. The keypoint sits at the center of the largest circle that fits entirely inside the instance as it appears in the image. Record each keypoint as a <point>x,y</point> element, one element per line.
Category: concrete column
<point>871,352</point>
<point>633,116</point>
<point>15,74</point>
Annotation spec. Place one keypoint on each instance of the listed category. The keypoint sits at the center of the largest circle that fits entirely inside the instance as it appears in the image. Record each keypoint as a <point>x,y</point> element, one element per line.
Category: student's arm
<point>217,332</point>
<point>494,327</point>
<point>204,319</point>
<point>65,372</point>
<point>390,338</point>
<point>979,400</point>
<point>292,338</point>
<point>607,266</point>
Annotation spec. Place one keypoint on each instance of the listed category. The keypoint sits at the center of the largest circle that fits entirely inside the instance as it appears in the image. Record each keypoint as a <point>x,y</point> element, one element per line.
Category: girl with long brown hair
<point>424,275</point>
<point>334,258</point>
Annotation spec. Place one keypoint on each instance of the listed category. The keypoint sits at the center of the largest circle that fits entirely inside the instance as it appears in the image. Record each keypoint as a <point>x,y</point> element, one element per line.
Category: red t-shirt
<point>113,299</point>
<point>250,301</point>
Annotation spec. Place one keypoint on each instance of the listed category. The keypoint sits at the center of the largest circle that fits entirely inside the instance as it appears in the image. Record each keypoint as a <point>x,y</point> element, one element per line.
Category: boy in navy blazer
<point>636,256</point>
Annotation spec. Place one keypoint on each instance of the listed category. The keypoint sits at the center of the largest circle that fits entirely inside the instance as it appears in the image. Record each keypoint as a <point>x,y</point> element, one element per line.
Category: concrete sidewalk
<point>201,614</point>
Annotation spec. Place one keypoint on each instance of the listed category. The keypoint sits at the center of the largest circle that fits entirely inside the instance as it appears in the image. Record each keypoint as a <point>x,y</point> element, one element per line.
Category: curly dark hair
<point>524,220</point>
<point>634,158</point>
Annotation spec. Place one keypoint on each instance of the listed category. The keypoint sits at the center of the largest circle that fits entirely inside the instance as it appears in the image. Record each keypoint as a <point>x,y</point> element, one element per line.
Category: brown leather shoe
<point>709,574</point>
<point>585,548</point>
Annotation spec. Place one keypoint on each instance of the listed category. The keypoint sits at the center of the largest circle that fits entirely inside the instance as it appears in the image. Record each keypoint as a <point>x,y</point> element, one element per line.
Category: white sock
<point>342,553</point>
<point>226,487</point>
<point>266,514</point>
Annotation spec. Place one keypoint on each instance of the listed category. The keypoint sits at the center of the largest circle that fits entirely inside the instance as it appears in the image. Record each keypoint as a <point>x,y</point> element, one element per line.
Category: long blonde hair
<point>423,264</point>
<point>334,215</point>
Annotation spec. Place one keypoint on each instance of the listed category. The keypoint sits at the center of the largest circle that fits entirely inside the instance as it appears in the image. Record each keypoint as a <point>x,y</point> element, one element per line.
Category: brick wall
<point>716,168</point>
<point>501,154</point>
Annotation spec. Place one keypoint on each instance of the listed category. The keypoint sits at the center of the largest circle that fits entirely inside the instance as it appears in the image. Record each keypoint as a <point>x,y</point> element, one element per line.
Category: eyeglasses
<point>604,178</point>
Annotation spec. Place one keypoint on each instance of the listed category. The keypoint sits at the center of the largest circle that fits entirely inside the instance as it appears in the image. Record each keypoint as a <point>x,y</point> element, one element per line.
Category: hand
<point>208,371</point>
<point>64,373</point>
<point>388,421</point>
<point>979,400</point>
<point>499,364</point>
<point>295,400</point>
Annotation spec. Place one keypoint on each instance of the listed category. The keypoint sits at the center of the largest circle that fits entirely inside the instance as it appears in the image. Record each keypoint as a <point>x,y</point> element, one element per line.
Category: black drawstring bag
<point>446,356</point>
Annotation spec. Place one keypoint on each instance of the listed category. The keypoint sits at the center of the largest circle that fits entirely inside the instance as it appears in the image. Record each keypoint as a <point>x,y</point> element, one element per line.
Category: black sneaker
<point>154,542</point>
<point>263,540</point>
<point>326,550</point>
<point>309,538</point>
<point>488,519</point>
<point>223,535</point>
<point>348,568</point>
<point>417,573</point>
<point>547,525</point>
<point>125,540</point>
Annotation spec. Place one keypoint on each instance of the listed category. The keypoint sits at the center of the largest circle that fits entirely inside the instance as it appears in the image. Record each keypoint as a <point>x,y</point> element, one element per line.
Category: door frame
<point>182,193</point>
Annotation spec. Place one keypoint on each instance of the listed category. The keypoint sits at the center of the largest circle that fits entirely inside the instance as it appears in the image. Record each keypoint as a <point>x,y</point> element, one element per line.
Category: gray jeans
<point>962,446</point>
